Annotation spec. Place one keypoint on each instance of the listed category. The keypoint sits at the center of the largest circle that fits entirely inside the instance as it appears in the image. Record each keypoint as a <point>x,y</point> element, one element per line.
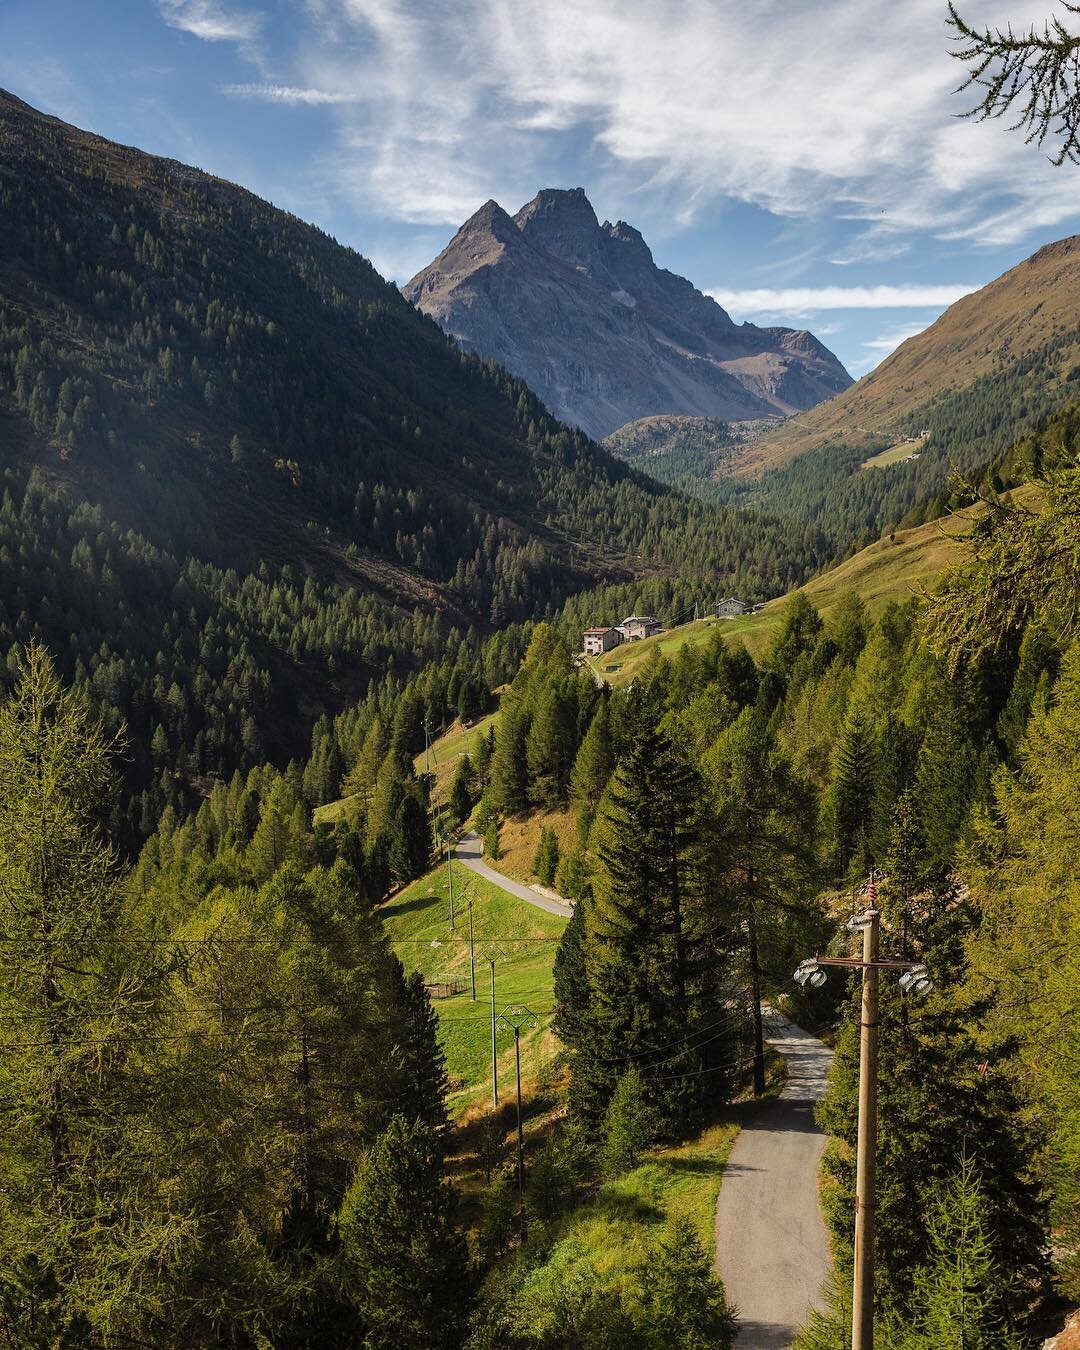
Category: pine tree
<point>406,1261</point>
<point>686,1305</point>
<point>595,761</point>
<point>851,793</point>
<point>509,770</point>
<point>630,1124</point>
<point>550,748</point>
<point>546,859</point>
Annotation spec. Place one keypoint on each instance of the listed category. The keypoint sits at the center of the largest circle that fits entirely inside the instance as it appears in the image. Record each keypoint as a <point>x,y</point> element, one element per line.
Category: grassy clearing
<point>520,836</point>
<point>523,939</point>
<point>896,454</point>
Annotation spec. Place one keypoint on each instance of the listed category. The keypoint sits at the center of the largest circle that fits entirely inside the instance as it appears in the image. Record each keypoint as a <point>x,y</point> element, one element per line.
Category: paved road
<point>772,1250</point>
<point>469,852</point>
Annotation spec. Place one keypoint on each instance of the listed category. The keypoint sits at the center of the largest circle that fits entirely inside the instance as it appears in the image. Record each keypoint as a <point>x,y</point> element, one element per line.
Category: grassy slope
<point>1022,309</point>
<point>417,922</point>
<point>891,569</point>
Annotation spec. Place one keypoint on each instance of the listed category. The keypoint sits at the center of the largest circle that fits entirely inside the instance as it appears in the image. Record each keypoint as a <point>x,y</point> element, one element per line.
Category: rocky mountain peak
<point>582,313</point>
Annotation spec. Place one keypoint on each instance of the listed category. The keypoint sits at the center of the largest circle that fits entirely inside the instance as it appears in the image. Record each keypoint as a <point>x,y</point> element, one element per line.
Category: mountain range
<point>581,312</point>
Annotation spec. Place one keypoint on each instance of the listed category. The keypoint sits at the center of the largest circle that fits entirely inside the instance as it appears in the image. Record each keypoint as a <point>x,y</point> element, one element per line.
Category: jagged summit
<point>581,311</point>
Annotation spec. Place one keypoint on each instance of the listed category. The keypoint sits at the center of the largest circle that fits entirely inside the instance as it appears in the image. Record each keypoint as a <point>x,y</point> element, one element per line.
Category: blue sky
<point>802,160</point>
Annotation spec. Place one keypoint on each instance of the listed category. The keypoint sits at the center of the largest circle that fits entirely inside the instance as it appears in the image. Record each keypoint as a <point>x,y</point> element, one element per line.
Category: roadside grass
<point>523,940</point>
<point>520,835</point>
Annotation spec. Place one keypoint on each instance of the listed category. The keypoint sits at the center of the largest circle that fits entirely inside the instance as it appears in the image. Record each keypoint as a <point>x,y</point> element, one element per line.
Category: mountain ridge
<point>580,311</point>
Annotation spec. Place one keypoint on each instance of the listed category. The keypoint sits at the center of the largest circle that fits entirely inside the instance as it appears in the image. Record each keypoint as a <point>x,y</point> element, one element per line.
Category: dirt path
<point>469,852</point>
<point>772,1249</point>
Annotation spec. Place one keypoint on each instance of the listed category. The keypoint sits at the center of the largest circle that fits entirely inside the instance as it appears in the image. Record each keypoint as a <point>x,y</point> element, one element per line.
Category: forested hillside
<point>724,813</point>
<point>242,476</point>
<point>956,396</point>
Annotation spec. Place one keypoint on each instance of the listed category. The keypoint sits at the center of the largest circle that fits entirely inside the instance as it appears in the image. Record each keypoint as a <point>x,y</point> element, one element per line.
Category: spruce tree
<point>595,761</point>
<point>686,1305</point>
<point>405,1260</point>
<point>630,1124</point>
<point>652,979</point>
<point>509,770</point>
<point>422,1095</point>
<point>851,793</point>
<point>550,748</point>
<point>546,859</point>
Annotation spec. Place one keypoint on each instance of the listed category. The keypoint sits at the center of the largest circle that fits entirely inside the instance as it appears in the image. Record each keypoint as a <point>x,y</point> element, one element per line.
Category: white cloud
<point>884,345</point>
<point>808,299</point>
<point>211,20</point>
<point>843,106</point>
<point>287,93</point>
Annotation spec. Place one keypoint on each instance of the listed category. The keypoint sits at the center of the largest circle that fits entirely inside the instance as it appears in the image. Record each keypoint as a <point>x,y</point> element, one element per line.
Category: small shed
<point>730,607</point>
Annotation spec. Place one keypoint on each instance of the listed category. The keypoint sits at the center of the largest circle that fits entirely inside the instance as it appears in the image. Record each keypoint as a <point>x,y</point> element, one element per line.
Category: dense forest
<point>243,477</point>
<point>227,1119</point>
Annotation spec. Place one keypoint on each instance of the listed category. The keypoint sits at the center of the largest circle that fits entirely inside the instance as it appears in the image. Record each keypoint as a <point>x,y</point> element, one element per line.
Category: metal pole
<point>472,954</point>
<point>521,1138</point>
<point>450,877</point>
<point>862,1310</point>
<point>494,1052</point>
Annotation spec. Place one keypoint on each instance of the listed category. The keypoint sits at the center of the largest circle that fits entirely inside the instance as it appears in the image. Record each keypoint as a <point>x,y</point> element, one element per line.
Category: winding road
<point>469,851</point>
<point>772,1249</point>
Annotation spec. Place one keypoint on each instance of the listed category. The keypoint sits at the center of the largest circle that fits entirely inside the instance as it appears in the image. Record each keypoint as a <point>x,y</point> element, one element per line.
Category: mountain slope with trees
<point>242,477</point>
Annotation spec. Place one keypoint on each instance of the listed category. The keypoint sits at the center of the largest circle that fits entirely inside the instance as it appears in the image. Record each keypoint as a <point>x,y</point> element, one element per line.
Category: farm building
<point>638,626</point>
<point>597,640</point>
<point>730,608</point>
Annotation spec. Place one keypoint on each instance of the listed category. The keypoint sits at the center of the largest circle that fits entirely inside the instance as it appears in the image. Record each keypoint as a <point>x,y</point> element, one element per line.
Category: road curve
<point>772,1249</point>
<point>469,852</point>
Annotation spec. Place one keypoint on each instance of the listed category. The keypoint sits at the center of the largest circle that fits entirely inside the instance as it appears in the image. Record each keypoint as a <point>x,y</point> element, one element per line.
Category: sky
<point>803,161</point>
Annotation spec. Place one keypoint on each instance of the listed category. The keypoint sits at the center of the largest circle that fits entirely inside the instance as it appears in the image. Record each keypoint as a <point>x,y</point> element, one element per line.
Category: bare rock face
<point>582,313</point>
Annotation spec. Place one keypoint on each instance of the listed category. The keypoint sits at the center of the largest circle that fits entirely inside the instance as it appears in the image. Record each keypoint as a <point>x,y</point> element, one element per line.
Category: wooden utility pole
<point>862,1308</point>
<point>914,980</point>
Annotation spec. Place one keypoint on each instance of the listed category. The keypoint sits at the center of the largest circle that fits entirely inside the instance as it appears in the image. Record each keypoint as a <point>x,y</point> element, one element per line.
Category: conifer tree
<point>651,979</point>
<point>851,793</point>
<point>73,994</point>
<point>764,839</point>
<point>630,1124</point>
<point>550,748</point>
<point>595,761</point>
<point>509,769</point>
<point>405,1260</point>
<point>961,1299</point>
<point>424,1081</point>
<point>461,790</point>
<point>546,859</point>
<point>687,1308</point>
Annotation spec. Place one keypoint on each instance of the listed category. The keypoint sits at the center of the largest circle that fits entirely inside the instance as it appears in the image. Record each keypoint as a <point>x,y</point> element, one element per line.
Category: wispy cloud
<point>877,349</point>
<point>211,20</point>
<point>839,108</point>
<point>287,93</point>
<point>809,299</point>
